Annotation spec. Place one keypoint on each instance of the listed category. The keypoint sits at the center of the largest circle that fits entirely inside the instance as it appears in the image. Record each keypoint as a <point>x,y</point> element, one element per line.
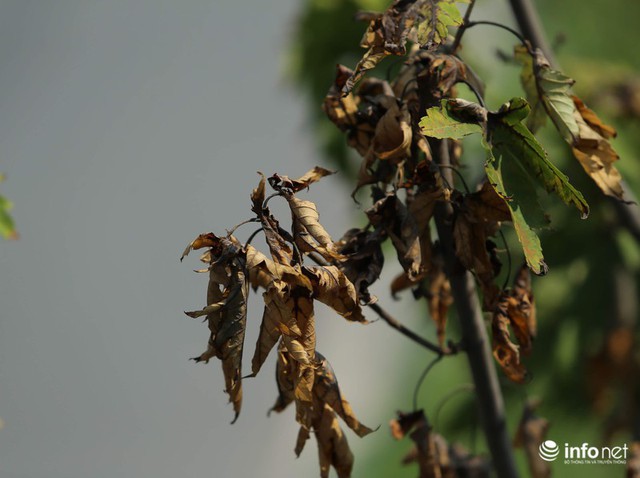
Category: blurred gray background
<point>126,129</point>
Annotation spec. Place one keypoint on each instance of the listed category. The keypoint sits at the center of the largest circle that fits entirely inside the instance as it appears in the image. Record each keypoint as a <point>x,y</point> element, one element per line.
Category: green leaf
<point>439,123</point>
<point>436,16</point>
<point>548,93</point>
<point>510,139</point>
<point>519,195</point>
<point>7,226</point>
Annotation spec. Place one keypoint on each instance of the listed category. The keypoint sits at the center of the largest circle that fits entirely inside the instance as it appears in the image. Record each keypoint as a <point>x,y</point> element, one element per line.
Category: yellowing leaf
<point>441,122</point>
<point>595,153</point>
<point>436,16</point>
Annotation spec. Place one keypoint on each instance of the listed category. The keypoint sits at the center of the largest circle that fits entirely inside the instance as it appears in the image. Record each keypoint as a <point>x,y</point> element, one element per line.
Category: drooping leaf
<point>333,448</point>
<point>522,203</point>
<point>333,288</point>
<point>363,259</point>
<point>227,324</point>
<point>393,133</point>
<point>548,93</point>
<point>594,152</point>
<point>510,139</point>
<point>504,350</point>
<point>328,391</point>
<point>309,234</point>
<point>276,320</point>
<point>392,215</point>
<point>515,309</point>
<point>374,41</point>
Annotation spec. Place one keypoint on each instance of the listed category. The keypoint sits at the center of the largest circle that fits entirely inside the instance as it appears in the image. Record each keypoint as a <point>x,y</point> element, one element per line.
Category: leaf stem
<point>456,41</point>
<point>396,324</point>
<point>498,25</point>
<point>420,381</point>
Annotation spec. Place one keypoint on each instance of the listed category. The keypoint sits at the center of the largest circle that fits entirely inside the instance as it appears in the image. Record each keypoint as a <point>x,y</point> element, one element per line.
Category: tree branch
<point>396,324</point>
<point>474,336</point>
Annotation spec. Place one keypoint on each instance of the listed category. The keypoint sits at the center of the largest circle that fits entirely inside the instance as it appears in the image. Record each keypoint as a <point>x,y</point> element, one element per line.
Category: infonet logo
<point>584,454</point>
<point>549,450</point>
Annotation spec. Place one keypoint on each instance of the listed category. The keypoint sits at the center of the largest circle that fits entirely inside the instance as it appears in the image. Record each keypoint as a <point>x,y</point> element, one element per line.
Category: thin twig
<point>463,27</point>
<point>424,374</point>
<point>396,324</point>
<point>498,25</point>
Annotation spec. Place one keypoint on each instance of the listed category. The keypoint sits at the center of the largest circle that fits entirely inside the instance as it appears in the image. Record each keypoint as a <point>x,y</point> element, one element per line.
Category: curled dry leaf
<point>363,259</point>
<point>309,234</point>
<point>515,308</point>
<point>333,288</point>
<point>531,432</point>
<point>594,152</point>
<point>227,323</point>
<point>390,214</point>
<point>393,134</point>
<point>430,450</point>
<point>279,183</point>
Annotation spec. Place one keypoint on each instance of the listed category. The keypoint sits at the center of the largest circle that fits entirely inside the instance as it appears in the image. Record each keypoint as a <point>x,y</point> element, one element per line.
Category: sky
<point>126,129</point>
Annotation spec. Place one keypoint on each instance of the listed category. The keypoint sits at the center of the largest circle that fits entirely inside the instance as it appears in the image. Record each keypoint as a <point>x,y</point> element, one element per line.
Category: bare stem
<point>396,324</point>
<point>474,336</point>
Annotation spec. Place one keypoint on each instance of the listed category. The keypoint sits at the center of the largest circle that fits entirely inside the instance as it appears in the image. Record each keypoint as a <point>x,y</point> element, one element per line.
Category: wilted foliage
<point>408,130</point>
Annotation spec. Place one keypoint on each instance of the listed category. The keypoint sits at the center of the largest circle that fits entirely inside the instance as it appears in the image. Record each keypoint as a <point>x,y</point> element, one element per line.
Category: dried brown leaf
<point>326,389</point>
<point>363,259</point>
<point>392,215</point>
<point>227,332</point>
<point>333,288</point>
<point>309,234</point>
<point>279,183</point>
<point>594,152</point>
<point>393,133</point>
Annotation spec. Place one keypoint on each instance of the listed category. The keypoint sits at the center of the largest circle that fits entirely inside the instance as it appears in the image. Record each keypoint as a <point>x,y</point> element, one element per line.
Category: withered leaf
<point>515,308</point>
<point>594,152</point>
<point>439,299</point>
<point>531,432</point>
<point>506,352</point>
<point>276,320</point>
<point>257,196</point>
<point>393,133</point>
<point>333,288</point>
<point>327,390</point>
<point>279,183</point>
<point>227,325</point>
<point>392,215</point>
<point>431,458</point>
<point>309,234</point>
<point>284,381</point>
<point>363,259</point>
<point>333,448</point>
